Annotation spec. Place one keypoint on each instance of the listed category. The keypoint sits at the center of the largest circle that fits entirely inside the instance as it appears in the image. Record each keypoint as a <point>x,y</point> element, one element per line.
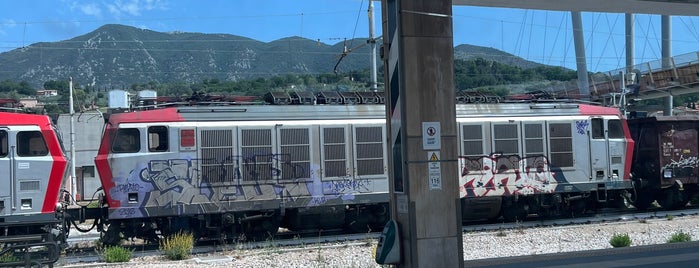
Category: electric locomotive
<point>33,166</point>
<point>319,161</point>
<point>545,158</point>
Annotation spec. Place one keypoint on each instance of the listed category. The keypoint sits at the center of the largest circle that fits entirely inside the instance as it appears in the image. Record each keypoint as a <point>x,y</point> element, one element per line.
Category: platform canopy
<point>670,7</point>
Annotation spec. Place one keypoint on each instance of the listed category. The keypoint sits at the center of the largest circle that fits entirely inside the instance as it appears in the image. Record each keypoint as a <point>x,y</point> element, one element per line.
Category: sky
<point>541,36</point>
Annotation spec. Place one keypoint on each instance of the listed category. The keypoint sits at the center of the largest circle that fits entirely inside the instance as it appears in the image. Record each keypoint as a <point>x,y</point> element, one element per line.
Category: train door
<point>32,166</point>
<point>6,172</point>
<point>607,148</point>
<point>599,146</point>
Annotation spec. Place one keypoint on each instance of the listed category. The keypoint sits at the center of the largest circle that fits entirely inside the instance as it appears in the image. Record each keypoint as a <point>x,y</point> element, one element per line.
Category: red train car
<point>33,166</point>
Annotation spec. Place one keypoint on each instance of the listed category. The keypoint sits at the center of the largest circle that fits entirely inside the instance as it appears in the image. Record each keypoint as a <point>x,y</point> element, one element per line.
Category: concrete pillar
<point>579,41</point>
<point>630,45</point>
<point>418,53</point>
<point>666,51</point>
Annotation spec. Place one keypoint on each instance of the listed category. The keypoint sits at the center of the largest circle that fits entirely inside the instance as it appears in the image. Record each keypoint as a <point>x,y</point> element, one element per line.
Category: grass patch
<point>680,237</point>
<point>117,254</point>
<point>8,257</point>
<point>178,246</point>
<point>620,240</point>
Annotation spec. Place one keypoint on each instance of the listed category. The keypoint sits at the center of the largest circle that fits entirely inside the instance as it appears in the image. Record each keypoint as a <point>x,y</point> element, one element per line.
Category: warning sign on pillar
<point>434,170</point>
<point>431,136</point>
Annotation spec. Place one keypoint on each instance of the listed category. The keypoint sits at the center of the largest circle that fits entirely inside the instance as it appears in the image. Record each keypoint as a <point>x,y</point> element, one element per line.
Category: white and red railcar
<point>252,168</point>
<point>33,166</point>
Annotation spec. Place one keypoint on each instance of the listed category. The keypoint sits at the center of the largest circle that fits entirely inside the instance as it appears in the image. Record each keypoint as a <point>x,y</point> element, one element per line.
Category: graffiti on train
<point>683,162</point>
<point>174,182</point>
<point>505,175</point>
<point>582,126</point>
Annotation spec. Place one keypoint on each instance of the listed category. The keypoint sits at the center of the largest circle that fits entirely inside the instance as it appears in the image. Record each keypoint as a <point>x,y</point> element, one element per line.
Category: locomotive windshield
<point>3,143</point>
<point>31,143</point>
<point>126,141</point>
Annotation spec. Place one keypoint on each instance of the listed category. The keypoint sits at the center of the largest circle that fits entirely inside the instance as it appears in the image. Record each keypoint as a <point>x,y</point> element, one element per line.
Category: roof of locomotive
<point>329,112</point>
<point>7,118</point>
<point>332,105</point>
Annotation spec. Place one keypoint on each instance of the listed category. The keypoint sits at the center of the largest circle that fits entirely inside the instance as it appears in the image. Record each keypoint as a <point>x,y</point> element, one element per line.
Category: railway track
<point>82,251</point>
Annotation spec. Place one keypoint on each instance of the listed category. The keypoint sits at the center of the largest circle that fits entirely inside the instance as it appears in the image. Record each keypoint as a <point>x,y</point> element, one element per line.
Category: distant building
<point>46,92</point>
<point>29,102</point>
<point>88,134</point>
<point>9,103</point>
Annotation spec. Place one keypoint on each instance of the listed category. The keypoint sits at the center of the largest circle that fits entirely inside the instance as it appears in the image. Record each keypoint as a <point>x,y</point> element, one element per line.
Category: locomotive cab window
<point>3,143</point>
<point>31,143</point>
<point>616,130</point>
<point>597,128</point>
<point>127,141</point>
<point>157,139</point>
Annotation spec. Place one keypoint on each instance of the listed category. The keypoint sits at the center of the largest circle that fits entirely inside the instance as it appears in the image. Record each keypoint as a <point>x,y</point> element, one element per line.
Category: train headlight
<point>667,173</point>
<point>59,206</point>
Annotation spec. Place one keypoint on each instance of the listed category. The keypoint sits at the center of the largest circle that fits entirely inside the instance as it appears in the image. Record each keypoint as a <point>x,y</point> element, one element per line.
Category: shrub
<point>8,257</point>
<point>620,240</point>
<point>117,254</point>
<point>680,237</point>
<point>178,246</point>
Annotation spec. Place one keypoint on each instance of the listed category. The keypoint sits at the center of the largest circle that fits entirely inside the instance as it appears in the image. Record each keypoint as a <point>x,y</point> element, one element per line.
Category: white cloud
<point>91,10</point>
<point>134,7</point>
<point>7,24</point>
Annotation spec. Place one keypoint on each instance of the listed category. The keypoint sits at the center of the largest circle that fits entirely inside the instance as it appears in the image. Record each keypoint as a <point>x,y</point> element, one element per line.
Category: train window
<point>127,140</point>
<point>616,130</point>
<point>506,139</point>
<point>561,144</point>
<point>256,147</point>
<point>88,171</point>
<point>218,163</point>
<point>157,139</point>
<point>31,143</point>
<point>369,150</point>
<point>597,128</point>
<point>533,143</point>
<point>334,152</point>
<point>295,152</point>
<point>472,140</point>
<point>3,143</point>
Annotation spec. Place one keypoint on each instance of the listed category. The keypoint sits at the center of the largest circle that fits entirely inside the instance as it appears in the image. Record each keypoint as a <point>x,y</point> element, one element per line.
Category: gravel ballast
<point>477,245</point>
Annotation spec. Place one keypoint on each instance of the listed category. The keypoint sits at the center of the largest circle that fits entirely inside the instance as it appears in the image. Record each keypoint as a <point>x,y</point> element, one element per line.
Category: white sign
<point>402,203</point>
<point>434,170</point>
<point>431,136</point>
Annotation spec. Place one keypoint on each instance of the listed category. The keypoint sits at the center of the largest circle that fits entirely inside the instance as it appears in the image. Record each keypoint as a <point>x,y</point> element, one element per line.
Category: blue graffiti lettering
<point>128,188</point>
<point>582,126</point>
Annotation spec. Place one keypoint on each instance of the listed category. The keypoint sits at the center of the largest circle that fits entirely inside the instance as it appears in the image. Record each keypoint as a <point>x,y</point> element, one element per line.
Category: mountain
<point>116,56</point>
<point>470,52</point>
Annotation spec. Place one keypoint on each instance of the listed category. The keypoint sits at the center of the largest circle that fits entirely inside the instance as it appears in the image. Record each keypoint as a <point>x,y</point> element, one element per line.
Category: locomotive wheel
<point>514,212</point>
<point>112,236</point>
<point>644,200</point>
<point>672,198</point>
<point>262,229</point>
<point>621,200</point>
<point>577,207</point>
